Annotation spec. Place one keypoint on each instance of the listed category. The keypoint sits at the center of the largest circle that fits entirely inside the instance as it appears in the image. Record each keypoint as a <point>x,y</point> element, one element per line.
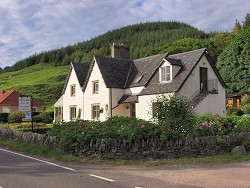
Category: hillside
<point>42,81</point>
<point>43,75</point>
<point>141,38</point>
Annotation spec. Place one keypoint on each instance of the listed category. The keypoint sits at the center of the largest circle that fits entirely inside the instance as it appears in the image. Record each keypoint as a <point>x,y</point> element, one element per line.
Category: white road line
<point>102,178</point>
<point>53,164</point>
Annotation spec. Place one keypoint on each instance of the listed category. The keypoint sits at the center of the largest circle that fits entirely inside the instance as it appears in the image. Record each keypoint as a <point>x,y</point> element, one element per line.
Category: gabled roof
<point>122,73</point>
<point>189,61</point>
<point>12,98</point>
<point>81,70</point>
<point>142,70</point>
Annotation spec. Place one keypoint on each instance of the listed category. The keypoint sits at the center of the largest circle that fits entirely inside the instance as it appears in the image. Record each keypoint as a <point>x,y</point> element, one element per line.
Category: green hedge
<point>81,132</point>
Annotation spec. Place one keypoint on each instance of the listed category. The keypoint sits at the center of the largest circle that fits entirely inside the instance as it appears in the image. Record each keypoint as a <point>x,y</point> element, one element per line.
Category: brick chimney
<point>120,51</point>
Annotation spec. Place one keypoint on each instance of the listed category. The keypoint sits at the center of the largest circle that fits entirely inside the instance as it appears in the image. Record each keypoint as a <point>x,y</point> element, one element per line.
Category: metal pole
<point>31,111</point>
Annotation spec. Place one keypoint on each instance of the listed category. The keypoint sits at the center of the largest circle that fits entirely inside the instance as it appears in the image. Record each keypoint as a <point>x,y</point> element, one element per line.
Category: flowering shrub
<point>81,132</point>
<point>213,125</point>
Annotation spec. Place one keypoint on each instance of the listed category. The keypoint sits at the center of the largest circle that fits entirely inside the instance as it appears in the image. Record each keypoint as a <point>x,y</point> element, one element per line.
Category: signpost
<point>25,105</point>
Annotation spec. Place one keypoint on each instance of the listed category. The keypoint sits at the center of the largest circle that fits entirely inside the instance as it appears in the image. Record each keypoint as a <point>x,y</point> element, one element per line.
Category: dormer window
<point>165,74</point>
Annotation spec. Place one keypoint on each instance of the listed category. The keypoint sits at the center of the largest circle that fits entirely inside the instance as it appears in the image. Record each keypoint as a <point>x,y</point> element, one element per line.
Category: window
<point>72,112</point>
<point>34,109</point>
<point>95,111</point>
<point>72,90</point>
<point>6,109</point>
<point>95,86</point>
<point>165,74</point>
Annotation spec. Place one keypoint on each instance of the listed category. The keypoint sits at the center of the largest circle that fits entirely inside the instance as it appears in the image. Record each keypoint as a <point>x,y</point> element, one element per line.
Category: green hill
<point>43,75</point>
<point>42,81</point>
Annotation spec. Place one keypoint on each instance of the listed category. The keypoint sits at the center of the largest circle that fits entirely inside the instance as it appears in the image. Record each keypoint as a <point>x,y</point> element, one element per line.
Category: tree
<point>175,115</point>
<point>246,23</point>
<point>237,27</point>
<point>234,63</point>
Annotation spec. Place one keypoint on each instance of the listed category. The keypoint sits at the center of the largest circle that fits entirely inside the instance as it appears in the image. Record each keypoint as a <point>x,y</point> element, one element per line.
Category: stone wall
<point>30,137</point>
<point>122,149</point>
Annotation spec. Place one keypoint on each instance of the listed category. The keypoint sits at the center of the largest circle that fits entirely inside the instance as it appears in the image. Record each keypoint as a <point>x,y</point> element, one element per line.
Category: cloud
<point>29,27</point>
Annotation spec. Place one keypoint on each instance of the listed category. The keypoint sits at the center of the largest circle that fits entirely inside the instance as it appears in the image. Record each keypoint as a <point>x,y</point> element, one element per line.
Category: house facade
<point>117,86</point>
<point>9,102</point>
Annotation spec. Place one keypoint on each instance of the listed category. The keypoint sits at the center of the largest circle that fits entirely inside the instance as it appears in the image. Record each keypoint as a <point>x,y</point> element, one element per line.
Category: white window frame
<point>73,90</point>
<point>72,113</point>
<point>6,109</point>
<point>95,86</point>
<point>95,111</point>
<point>165,73</point>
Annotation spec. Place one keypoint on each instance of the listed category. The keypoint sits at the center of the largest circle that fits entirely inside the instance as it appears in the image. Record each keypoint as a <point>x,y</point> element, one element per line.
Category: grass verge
<point>57,155</point>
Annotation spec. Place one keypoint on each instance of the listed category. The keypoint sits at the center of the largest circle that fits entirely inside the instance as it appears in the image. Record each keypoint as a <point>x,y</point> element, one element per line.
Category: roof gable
<point>188,60</point>
<point>114,71</point>
<point>81,70</point>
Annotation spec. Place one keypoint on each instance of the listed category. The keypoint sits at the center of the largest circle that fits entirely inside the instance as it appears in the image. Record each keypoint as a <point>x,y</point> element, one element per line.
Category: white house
<point>117,86</point>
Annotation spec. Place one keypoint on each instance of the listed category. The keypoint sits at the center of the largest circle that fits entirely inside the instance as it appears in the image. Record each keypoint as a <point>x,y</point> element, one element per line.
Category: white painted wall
<point>69,100</point>
<point>213,103</point>
<point>144,105</point>
<point>101,98</point>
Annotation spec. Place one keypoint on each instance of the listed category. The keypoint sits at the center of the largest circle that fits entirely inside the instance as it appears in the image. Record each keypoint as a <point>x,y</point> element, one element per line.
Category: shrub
<point>237,111</point>
<point>245,99</point>
<point>213,124</point>
<point>242,124</point>
<point>43,117</point>
<point>175,116</point>
<point>246,109</point>
<point>15,117</point>
<point>4,117</point>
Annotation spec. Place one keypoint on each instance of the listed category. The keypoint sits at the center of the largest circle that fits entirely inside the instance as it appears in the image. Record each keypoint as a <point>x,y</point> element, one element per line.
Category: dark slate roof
<point>142,70</point>
<point>128,98</point>
<point>114,71</point>
<point>188,61</point>
<point>173,61</point>
<point>81,70</point>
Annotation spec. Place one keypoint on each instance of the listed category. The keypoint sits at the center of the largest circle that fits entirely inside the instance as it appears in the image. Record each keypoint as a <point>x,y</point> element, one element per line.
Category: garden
<point>173,119</point>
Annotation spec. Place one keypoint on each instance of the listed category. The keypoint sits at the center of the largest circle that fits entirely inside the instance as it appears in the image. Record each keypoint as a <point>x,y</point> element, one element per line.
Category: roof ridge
<point>189,51</point>
<point>150,56</point>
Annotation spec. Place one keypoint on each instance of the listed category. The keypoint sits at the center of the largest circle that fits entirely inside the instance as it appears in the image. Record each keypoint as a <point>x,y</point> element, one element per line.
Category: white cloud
<point>29,27</point>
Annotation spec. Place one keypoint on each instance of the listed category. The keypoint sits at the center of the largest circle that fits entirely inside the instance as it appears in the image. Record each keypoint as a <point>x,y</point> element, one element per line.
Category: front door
<point>132,110</point>
<point>203,79</point>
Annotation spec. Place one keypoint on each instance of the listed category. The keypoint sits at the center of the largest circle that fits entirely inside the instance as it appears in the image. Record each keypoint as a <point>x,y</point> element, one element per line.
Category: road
<point>17,170</point>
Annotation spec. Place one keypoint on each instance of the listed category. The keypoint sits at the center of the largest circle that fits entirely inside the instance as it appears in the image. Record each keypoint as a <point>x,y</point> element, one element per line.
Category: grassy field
<point>57,155</point>
<point>42,81</point>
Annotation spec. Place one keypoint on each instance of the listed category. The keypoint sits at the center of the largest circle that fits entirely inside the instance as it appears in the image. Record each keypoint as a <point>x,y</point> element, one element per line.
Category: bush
<point>237,111</point>
<point>4,117</point>
<point>15,117</point>
<point>242,124</point>
<point>213,125</point>
<point>246,109</point>
<point>43,117</point>
<point>175,116</point>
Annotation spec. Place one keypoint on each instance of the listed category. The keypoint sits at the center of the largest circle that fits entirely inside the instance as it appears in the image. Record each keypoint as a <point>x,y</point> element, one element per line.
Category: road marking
<point>53,164</point>
<point>107,179</point>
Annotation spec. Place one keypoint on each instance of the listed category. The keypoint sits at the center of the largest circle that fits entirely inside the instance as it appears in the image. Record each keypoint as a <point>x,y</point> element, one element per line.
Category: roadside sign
<point>24,104</point>
<point>27,117</point>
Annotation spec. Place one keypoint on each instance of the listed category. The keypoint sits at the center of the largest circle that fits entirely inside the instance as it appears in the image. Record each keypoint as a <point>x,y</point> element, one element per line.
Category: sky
<point>33,26</point>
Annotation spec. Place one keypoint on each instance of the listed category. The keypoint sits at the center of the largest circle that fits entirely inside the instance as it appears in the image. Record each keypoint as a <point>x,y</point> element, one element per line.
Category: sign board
<point>24,104</point>
<point>27,116</point>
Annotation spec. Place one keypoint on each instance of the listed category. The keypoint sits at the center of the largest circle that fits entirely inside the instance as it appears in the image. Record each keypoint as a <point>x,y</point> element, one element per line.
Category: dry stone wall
<point>122,149</point>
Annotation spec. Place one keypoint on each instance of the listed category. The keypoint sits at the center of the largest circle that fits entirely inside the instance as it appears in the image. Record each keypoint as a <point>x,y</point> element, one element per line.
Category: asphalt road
<point>17,170</point>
